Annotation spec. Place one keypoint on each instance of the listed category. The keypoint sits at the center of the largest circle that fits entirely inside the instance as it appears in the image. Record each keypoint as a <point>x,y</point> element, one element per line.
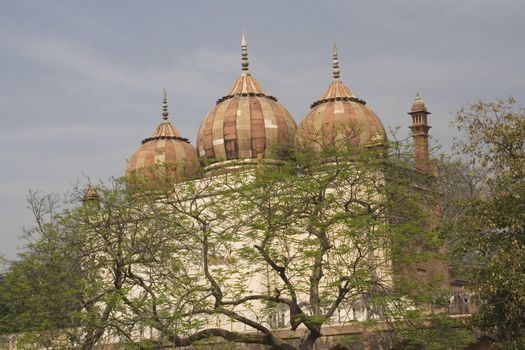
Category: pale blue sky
<point>81,81</point>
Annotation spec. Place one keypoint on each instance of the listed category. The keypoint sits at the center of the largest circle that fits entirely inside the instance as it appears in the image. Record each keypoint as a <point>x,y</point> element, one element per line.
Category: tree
<point>239,255</point>
<point>66,288</point>
<point>39,291</point>
<point>490,232</point>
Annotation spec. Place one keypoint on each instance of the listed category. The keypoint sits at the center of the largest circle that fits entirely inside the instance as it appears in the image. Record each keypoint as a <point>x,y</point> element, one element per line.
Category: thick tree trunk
<point>308,341</point>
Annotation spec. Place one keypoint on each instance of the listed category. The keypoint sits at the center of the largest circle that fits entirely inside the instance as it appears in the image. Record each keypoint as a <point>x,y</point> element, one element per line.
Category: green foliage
<point>40,291</point>
<point>490,232</point>
<point>436,332</point>
<point>278,245</point>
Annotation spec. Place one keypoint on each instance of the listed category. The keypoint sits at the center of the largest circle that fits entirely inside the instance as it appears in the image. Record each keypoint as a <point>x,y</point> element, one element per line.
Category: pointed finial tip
<point>244,53</point>
<point>164,105</point>
<point>335,63</point>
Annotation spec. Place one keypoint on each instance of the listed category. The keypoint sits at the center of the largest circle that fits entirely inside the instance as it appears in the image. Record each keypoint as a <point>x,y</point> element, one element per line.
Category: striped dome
<point>339,118</point>
<point>165,155</point>
<point>246,123</point>
<point>246,84</point>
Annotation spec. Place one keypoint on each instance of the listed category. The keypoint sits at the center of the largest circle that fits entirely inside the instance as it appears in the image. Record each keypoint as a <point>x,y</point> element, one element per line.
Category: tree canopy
<point>489,232</point>
<point>344,237</point>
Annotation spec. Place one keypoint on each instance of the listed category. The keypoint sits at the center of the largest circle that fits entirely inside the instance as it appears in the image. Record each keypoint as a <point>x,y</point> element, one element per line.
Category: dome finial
<point>164,105</point>
<point>335,62</point>
<point>244,51</point>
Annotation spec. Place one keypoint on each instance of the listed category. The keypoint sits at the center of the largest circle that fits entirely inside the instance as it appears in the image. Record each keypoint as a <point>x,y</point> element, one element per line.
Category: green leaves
<point>489,233</point>
<point>278,245</point>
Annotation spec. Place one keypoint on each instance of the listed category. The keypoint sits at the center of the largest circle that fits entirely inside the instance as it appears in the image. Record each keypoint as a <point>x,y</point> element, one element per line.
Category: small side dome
<point>90,195</point>
<point>247,123</point>
<point>339,118</point>
<point>165,156</point>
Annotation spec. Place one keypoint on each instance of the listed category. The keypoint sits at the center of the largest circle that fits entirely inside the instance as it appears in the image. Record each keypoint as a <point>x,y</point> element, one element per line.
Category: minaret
<point>420,129</point>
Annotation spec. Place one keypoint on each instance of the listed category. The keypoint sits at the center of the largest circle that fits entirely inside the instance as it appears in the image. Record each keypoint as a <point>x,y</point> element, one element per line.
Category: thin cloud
<point>190,72</point>
<point>66,56</point>
<point>77,133</point>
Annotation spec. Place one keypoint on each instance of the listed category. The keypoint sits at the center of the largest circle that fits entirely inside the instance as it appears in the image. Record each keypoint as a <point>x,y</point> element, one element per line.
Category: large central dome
<point>246,123</point>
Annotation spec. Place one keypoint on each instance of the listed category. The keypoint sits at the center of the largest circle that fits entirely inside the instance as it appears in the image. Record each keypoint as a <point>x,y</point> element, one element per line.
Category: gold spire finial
<point>244,51</point>
<point>335,63</point>
<point>164,105</point>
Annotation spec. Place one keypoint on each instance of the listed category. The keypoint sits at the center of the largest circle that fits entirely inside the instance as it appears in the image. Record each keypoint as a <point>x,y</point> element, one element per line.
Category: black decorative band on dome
<point>183,139</point>
<point>352,99</point>
<point>258,94</point>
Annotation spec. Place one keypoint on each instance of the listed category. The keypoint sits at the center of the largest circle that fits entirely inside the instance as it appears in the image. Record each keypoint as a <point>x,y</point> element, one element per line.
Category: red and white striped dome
<point>339,118</point>
<point>246,123</point>
<point>164,156</point>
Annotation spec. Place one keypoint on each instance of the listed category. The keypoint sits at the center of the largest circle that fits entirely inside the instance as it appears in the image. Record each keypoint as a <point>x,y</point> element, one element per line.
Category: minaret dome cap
<point>418,106</point>
<point>90,194</point>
